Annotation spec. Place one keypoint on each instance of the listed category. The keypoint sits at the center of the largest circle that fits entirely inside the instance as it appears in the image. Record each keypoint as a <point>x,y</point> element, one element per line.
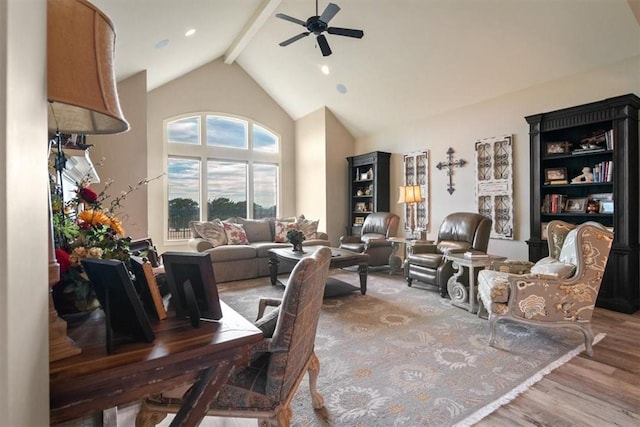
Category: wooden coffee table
<point>339,258</point>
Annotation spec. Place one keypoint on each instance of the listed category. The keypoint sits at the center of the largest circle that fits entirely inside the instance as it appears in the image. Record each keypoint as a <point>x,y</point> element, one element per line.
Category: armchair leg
<point>588,337</point>
<point>314,370</point>
<point>409,280</point>
<point>493,319</point>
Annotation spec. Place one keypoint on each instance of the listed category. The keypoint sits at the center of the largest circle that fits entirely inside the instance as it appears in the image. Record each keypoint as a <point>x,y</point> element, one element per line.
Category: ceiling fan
<point>317,25</point>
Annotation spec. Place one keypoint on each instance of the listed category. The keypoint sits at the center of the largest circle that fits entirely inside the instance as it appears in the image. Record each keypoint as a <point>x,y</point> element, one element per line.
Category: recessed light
<point>162,43</point>
<point>190,32</point>
<point>341,88</point>
<point>325,70</point>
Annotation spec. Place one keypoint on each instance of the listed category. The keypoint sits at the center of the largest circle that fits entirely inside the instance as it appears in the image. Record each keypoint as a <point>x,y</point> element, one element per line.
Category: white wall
<point>322,145</point>
<point>459,129</point>
<point>125,157</point>
<point>24,289</point>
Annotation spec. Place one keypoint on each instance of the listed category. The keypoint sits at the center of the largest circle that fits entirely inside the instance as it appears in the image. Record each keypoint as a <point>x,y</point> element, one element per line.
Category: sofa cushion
<point>232,253</point>
<point>553,268</point>
<point>281,229</point>
<point>212,231</point>
<point>235,234</point>
<point>257,230</point>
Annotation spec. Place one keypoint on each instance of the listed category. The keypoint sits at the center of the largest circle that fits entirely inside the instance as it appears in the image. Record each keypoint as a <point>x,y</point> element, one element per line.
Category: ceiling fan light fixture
<point>318,25</point>
<point>325,70</point>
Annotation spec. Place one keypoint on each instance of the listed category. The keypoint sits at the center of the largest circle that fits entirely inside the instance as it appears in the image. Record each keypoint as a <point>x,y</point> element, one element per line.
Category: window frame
<point>205,153</point>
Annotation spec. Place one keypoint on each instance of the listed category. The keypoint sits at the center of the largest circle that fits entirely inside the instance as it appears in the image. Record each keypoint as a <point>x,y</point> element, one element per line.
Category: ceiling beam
<point>259,18</point>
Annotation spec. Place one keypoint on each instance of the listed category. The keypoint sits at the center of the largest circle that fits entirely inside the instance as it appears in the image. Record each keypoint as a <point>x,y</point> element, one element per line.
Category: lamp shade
<point>410,194</point>
<point>82,91</point>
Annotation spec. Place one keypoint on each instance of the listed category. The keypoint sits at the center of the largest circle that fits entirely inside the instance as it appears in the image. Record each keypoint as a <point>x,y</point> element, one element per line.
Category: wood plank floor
<point>602,390</point>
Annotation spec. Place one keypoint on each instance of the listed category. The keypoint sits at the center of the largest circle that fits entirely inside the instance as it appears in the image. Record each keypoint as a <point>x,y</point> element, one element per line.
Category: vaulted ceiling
<point>417,57</point>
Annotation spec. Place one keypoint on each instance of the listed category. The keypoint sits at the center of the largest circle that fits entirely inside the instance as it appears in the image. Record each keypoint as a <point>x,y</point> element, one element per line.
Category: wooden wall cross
<point>450,164</point>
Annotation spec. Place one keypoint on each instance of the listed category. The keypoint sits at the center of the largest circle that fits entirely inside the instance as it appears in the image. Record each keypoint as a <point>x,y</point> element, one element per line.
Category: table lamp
<point>410,194</point>
<point>83,99</point>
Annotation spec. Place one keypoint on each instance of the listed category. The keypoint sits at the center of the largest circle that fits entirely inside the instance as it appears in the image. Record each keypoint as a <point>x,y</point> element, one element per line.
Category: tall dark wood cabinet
<point>603,136</point>
<point>368,187</point>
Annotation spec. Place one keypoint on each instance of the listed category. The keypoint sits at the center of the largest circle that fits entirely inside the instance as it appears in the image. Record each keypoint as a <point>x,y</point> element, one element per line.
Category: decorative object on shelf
<point>585,176</point>
<point>555,148</point>
<point>576,205</point>
<point>606,207</point>
<point>296,237</point>
<point>555,176</point>
<point>82,101</point>
<point>370,173</point>
<point>449,165</point>
<point>494,184</point>
<point>359,192</point>
<point>410,194</point>
<point>593,206</point>
<point>416,172</point>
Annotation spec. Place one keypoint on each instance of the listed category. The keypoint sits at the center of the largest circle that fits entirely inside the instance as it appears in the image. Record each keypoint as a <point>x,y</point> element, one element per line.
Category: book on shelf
<point>554,203</point>
<point>557,182</point>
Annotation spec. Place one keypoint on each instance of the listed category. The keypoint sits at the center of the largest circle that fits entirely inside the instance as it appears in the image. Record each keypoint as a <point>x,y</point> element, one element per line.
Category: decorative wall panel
<point>494,184</point>
<point>416,172</point>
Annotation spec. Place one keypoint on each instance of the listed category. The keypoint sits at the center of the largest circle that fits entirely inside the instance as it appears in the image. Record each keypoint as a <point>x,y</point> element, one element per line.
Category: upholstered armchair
<point>373,239</point>
<point>265,388</point>
<point>459,232</point>
<point>556,292</point>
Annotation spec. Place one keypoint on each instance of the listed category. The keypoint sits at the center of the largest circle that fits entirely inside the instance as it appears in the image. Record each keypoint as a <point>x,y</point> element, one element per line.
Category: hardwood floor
<point>588,391</point>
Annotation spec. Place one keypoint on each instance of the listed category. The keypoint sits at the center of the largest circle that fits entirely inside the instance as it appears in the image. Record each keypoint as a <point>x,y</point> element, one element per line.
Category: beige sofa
<point>233,260</point>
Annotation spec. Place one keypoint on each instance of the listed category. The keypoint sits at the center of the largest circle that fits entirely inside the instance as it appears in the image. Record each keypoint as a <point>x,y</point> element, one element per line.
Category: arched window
<point>219,166</point>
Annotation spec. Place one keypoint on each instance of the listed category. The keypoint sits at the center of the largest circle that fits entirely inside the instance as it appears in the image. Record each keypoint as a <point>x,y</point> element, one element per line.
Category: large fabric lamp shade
<point>82,89</point>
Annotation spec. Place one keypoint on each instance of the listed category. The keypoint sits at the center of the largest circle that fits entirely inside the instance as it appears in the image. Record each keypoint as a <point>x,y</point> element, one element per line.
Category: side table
<point>458,293</point>
<point>396,263</point>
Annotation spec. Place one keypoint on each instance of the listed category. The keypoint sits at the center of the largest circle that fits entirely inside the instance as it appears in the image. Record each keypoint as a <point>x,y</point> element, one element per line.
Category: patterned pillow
<point>235,234</point>
<point>281,229</point>
<point>308,227</point>
<point>213,232</point>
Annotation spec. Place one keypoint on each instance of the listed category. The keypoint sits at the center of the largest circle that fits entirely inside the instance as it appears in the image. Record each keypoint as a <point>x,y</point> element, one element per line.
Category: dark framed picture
<point>577,205</point>
<point>117,295</point>
<point>606,207</point>
<point>555,174</point>
<point>555,148</point>
<point>194,292</point>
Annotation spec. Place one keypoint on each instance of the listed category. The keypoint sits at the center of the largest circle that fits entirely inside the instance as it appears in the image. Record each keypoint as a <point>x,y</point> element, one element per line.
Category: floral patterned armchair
<point>558,291</point>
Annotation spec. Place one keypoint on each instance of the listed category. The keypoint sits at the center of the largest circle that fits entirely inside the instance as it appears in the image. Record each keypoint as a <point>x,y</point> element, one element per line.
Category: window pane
<point>183,177</point>
<point>263,140</point>
<point>264,190</point>
<point>226,132</point>
<point>227,189</point>
<point>184,131</point>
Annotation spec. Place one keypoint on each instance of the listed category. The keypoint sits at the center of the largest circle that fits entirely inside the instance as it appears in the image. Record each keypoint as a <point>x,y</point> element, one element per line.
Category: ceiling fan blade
<point>293,39</point>
<point>329,12</point>
<point>345,32</point>
<point>291,19</point>
<point>324,45</point>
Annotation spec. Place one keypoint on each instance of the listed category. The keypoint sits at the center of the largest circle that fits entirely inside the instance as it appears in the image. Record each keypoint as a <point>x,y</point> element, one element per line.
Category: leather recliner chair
<point>459,232</point>
<point>376,229</point>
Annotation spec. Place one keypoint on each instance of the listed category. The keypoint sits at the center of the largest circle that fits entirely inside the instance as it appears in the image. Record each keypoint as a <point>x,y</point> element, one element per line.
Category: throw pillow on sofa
<point>281,229</point>
<point>212,231</point>
<point>235,234</point>
<point>257,230</point>
<point>308,227</point>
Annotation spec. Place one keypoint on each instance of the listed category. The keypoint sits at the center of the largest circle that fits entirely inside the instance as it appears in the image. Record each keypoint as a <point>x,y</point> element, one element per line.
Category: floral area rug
<point>404,356</point>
